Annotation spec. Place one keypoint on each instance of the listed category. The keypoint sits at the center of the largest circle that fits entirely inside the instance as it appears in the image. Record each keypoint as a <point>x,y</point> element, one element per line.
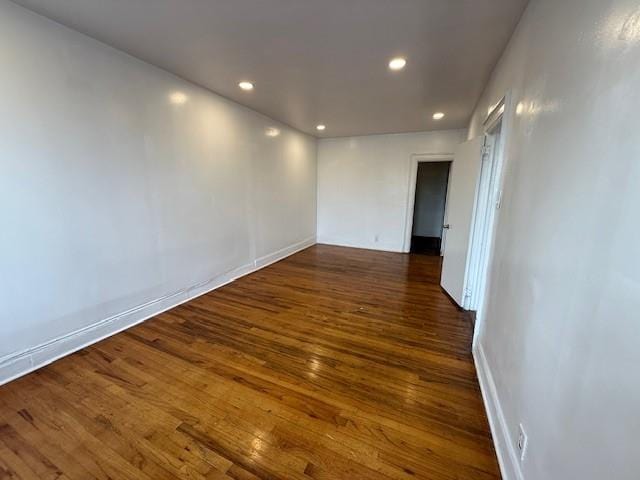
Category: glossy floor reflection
<point>332,364</point>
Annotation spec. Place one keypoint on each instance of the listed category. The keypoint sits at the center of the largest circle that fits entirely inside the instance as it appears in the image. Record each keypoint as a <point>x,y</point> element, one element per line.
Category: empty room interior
<point>320,240</point>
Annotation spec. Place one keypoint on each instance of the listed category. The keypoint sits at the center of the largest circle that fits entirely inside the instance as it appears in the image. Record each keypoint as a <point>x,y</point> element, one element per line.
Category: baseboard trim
<point>340,243</point>
<point>507,456</point>
<point>19,364</point>
<point>267,260</point>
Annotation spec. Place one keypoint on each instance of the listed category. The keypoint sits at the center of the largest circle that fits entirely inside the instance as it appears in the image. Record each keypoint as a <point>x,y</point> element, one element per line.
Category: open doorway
<point>415,162</point>
<point>432,179</point>
<point>474,200</point>
<point>487,202</point>
<point>487,205</point>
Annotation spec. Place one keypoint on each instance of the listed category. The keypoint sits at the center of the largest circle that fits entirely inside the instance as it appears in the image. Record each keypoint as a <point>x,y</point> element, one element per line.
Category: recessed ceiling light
<point>247,86</point>
<point>178,98</point>
<point>438,116</point>
<point>397,63</point>
<point>321,127</point>
<point>272,132</point>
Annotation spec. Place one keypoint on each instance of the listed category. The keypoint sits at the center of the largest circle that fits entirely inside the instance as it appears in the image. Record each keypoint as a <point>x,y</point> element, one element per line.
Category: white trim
<point>378,247</point>
<point>267,260</point>
<point>474,213</point>
<point>477,268</point>
<point>496,114</point>
<point>507,116</point>
<point>505,448</point>
<point>21,363</point>
<point>411,190</point>
<point>445,232</point>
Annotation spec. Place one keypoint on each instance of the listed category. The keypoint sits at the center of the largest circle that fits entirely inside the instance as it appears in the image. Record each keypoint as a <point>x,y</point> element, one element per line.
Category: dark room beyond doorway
<point>429,211</point>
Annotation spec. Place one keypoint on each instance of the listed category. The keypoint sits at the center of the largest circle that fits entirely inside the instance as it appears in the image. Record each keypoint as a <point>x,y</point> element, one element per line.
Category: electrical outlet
<point>522,442</point>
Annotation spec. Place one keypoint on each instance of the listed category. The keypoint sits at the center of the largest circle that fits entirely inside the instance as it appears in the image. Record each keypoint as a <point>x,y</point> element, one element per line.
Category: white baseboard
<point>505,448</point>
<point>375,246</point>
<point>22,363</point>
<point>283,253</point>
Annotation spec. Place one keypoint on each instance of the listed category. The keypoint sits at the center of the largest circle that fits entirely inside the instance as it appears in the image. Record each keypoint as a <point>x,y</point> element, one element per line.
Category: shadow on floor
<point>426,245</point>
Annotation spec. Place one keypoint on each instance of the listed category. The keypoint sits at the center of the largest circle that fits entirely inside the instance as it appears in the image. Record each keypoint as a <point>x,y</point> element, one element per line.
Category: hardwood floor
<point>332,364</point>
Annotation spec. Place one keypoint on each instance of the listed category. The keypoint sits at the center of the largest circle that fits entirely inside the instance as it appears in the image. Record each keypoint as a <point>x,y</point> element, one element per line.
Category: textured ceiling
<point>322,61</point>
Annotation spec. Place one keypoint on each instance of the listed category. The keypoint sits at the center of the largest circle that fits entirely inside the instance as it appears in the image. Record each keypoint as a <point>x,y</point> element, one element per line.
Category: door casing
<point>411,193</point>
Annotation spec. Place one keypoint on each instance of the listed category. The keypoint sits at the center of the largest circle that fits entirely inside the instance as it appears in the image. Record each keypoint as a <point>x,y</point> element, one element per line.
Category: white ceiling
<point>315,61</point>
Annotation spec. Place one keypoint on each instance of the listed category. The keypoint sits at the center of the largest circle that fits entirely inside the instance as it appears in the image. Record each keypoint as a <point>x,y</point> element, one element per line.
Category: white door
<point>462,196</point>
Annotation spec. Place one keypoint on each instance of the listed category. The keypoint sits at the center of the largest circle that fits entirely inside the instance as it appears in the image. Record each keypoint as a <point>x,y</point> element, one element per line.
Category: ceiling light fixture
<point>178,98</point>
<point>321,127</point>
<point>438,116</point>
<point>397,63</point>
<point>246,86</point>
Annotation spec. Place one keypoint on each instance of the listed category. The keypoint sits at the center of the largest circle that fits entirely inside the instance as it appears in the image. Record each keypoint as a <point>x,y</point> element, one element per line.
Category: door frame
<point>411,192</point>
<point>502,114</point>
<point>487,197</point>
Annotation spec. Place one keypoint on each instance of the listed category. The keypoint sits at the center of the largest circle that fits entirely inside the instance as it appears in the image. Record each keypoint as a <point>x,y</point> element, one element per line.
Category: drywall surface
<point>562,327</point>
<point>363,186</point>
<point>122,185</point>
<point>431,195</point>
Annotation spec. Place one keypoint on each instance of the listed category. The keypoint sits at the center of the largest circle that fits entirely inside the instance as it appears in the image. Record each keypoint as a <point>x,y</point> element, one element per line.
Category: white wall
<point>363,186</point>
<point>117,203</point>
<point>561,339</point>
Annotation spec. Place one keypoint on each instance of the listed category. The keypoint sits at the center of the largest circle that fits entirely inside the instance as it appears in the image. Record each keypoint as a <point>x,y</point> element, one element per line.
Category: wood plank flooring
<point>332,364</point>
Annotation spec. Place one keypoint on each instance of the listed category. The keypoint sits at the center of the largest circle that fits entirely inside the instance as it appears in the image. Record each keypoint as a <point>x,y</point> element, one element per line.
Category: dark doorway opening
<point>432,181</point>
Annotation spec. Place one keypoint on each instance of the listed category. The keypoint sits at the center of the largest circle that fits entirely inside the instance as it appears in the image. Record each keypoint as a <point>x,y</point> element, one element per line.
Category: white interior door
<point>463,185</point>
